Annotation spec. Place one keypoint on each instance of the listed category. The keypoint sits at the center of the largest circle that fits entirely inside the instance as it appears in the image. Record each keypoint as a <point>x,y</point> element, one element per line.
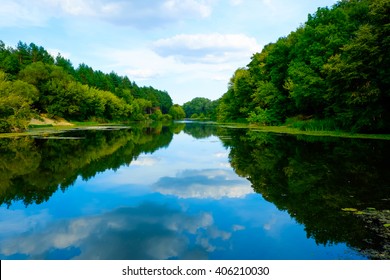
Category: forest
<point>84,154</point>
<point>313,178</point>
<point>33,82</point>
<point>331,73</point>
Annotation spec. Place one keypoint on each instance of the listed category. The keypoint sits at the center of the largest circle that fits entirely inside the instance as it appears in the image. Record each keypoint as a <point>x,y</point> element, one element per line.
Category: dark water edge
<point>336,188</point>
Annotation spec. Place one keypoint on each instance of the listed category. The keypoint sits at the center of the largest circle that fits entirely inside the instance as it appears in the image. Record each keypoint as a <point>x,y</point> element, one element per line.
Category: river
<point>193,191</point>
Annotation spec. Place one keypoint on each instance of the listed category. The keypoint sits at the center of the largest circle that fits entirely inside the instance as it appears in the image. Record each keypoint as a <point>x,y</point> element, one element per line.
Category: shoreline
<point>296,131</point>
<point>58,127</point>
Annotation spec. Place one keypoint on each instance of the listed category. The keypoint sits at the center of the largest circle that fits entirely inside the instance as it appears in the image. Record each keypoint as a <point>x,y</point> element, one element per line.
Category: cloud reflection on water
<point>202,184</point>
<point>148,231</point>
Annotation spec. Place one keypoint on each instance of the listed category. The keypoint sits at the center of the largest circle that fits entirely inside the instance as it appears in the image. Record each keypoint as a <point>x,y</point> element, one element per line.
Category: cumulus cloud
<point>142,73</point>
<point>18,221</point>
<point>150,14</point>
<point>22,13</point>
<point>138,13</point>
<point>145,64</point>
<point>207,48</point>
<point>149,231</point>
<point>202,184</point>
<point>189,7</point>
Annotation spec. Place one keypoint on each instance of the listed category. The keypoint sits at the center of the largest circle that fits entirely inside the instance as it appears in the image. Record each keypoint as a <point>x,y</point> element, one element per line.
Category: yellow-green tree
<point>16,98</point>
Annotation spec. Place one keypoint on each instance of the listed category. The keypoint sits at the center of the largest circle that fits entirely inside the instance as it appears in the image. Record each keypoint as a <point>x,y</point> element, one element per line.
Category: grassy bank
<point>35,130</point>
<point>297,131</point>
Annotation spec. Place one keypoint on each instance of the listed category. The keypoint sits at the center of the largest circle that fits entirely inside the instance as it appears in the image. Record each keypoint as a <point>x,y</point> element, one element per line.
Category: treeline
<point>343,173</point>
<point>201,108</point>
<point>331,73</point>
<point>34,168</point>
<point>33,82</point>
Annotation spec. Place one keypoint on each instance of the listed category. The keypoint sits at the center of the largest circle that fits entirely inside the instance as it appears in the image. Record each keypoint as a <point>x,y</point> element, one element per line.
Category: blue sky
<point>189,48</point>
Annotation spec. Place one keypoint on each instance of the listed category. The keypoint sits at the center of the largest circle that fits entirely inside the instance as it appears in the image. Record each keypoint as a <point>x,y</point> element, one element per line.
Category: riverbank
<point>296,131</point>
<point>46,125</point>
<point>44,121</point>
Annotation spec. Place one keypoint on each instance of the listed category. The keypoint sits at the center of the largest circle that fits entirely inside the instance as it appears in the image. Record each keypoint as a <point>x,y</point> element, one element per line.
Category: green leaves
<point>177,112</point>
<point>34,82</point>
<point>334,67</point>
<point>200,106</point>
<point>16,98</point>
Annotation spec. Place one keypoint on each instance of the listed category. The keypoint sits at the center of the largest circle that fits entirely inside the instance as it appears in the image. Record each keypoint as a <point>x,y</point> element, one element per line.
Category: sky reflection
<point>172,204</point>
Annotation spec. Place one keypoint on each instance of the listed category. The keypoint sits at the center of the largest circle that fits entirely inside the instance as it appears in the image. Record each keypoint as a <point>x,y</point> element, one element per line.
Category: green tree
<point>177,112</point>
<point>16,98</point>
<point>8,60</point>
<point>65,64</point>
<point>76,94</point>
<point>358,76</point>
<point>236,103</point>
<point>201,105</point>
<point>333,69</point>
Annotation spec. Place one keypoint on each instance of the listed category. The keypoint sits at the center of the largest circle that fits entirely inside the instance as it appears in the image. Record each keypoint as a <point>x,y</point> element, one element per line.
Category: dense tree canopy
<point>32,82</point>
<point>332,71</point>
<point>177,112</point>
<point>200,107</point>
<point>16,99</point>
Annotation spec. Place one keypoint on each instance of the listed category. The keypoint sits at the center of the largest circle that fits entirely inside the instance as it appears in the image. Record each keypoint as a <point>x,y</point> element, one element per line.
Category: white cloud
<point>200,8</point>
<point>138,13</point>
<point>145,64</point>
<point>203,184</point>
<point>207,48</point>
<point>148,65</point>
<point>18,221</point>
<point>148,231</point>
<point>21,13</point>
<point>142,73</point>
<point>75,7</point>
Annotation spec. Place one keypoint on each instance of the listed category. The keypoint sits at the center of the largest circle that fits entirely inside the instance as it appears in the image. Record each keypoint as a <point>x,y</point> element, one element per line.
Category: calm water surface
<point>189,191</point>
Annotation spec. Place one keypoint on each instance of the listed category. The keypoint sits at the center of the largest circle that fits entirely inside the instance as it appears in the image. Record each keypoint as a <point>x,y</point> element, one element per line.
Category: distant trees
<point>177,112</point>
<point>33,82</point>
<point>334,68</point>
<point>200,107</point>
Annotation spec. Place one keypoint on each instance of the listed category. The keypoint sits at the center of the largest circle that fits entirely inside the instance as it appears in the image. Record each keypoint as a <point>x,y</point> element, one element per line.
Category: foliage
<point>177,112</point>
<point>32,169</point>
<point>333,69</point>
<point>32,81</point>
<point>199,106</point>
<point>16,98</point>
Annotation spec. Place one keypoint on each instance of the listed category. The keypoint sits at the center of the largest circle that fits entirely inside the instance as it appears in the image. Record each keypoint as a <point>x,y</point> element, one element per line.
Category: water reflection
<point>314,178</point>
<point>32,169</point>
<point>191,191</point>
<point>148,231</point>
<point>201,184</point>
